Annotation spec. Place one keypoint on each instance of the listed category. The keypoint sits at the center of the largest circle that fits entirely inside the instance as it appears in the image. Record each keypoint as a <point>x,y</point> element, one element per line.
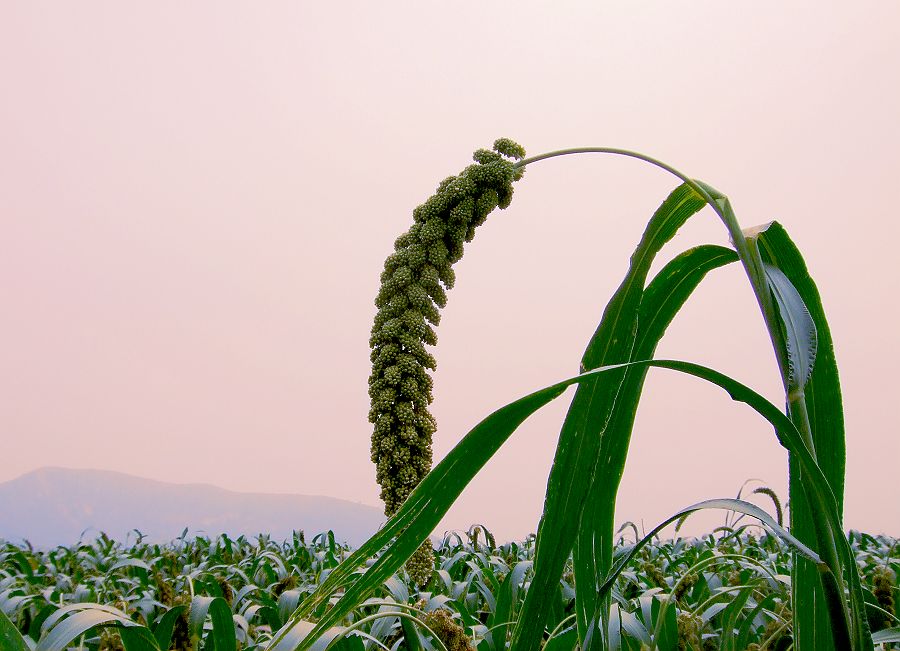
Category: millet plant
<point>579,506</point>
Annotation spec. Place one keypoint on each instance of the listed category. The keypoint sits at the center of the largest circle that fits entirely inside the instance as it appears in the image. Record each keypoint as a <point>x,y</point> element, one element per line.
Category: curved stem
<point>749,259</point>
<point>725,214</point>
<point>600,150</point>
<point>752,266</point>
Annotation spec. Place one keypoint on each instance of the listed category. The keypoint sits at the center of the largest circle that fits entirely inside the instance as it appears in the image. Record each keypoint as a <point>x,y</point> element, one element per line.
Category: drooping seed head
<point>414,287</point>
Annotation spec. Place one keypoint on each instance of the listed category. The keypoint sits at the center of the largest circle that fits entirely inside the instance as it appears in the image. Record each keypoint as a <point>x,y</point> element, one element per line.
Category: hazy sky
<point>196,199</point>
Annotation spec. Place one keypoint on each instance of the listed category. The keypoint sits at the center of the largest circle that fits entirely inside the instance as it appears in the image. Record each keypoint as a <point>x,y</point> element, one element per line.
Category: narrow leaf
<point>664,297</point>
<point>887,636</point>
<point>73,626</point>
<point>302,629</point>
<point>823,405</point>
<point>799,328</point>
<point>578,449</point>
<point>223,632</point>
<point>10,638</point>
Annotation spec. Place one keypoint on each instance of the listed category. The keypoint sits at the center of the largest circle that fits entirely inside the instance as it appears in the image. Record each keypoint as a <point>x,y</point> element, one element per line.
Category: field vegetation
<point>729,590</point>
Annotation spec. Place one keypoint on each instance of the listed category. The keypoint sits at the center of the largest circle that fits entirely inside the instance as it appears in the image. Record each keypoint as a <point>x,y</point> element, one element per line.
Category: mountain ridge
<point>53,506</point>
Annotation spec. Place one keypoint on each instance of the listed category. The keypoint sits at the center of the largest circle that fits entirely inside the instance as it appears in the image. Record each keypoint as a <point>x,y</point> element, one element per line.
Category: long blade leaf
<point>10,638</point>
<point>70,628</point>
<point>575,461</point>
<point>821,397</point>
<point>663,298</point>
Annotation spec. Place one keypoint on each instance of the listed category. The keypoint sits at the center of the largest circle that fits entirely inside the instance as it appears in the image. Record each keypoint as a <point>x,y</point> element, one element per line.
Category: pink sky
<point>196,200</point>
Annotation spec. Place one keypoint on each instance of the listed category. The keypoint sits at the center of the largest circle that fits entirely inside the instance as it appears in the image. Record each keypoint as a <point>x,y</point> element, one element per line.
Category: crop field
<point>729,590</point>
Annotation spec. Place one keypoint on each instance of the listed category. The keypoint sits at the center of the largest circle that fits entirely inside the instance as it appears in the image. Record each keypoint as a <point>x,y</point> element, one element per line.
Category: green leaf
<point>665,633</point>
<point>223,633</point>
<point>799,328</point>
<point>416,518</point>
<point>821,398</point>
<point>661,301</point>
<point>822,504</point>
<point>507,596</point>
<point>411,636</point>
<point>565,641</point>
<point>10,638</point>
<point>822,393</point>
<point>166,625</point>
<point>633,626</point>
<point>580,441</point>
<point>80,621</point>
<point>137,638</point>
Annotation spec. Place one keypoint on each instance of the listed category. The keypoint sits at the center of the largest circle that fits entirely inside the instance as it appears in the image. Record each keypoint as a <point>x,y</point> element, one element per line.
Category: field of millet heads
<point>728,590</point>
<point>757,582</point>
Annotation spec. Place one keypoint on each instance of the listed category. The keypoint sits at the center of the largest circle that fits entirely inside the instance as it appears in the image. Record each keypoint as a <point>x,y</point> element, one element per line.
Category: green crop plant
<point>577,520</point>
<point>729,587</point>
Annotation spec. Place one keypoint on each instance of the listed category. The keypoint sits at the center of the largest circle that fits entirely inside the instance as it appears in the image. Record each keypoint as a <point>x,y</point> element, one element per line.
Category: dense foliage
<point>728,590</point>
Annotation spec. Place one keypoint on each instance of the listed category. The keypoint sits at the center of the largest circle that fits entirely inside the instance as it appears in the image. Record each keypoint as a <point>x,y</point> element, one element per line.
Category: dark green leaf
<point>821,398</point>
<point>10,638</point>
<point>661,301</point>
<point>163,630</point>
<point>579,448</point>
<point>223,633</point>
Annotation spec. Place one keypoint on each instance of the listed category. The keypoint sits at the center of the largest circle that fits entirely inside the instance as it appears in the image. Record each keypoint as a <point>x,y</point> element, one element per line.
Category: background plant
<point>726,590</point>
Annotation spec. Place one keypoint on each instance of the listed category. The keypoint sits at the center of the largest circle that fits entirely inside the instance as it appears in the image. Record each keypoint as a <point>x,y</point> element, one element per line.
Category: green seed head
<point>420,565</point>
<point>689,627</point>
<point>448,630</point>
<point>414,287</point>
<point>883,581</point>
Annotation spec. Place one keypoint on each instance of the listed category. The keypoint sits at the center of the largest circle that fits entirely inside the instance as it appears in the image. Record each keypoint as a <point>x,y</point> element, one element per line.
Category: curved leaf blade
<point>823,405</point>
<point>580,439</point>
<point>166,625</point>
<point>73,626</point>
<point>10,638</point>
<point>799,329</point>
<point>663,298</point>
<point>217,608</point>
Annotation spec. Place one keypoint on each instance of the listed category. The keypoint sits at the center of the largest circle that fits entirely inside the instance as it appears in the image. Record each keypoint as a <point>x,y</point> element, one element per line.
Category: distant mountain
<point>53,506</point>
